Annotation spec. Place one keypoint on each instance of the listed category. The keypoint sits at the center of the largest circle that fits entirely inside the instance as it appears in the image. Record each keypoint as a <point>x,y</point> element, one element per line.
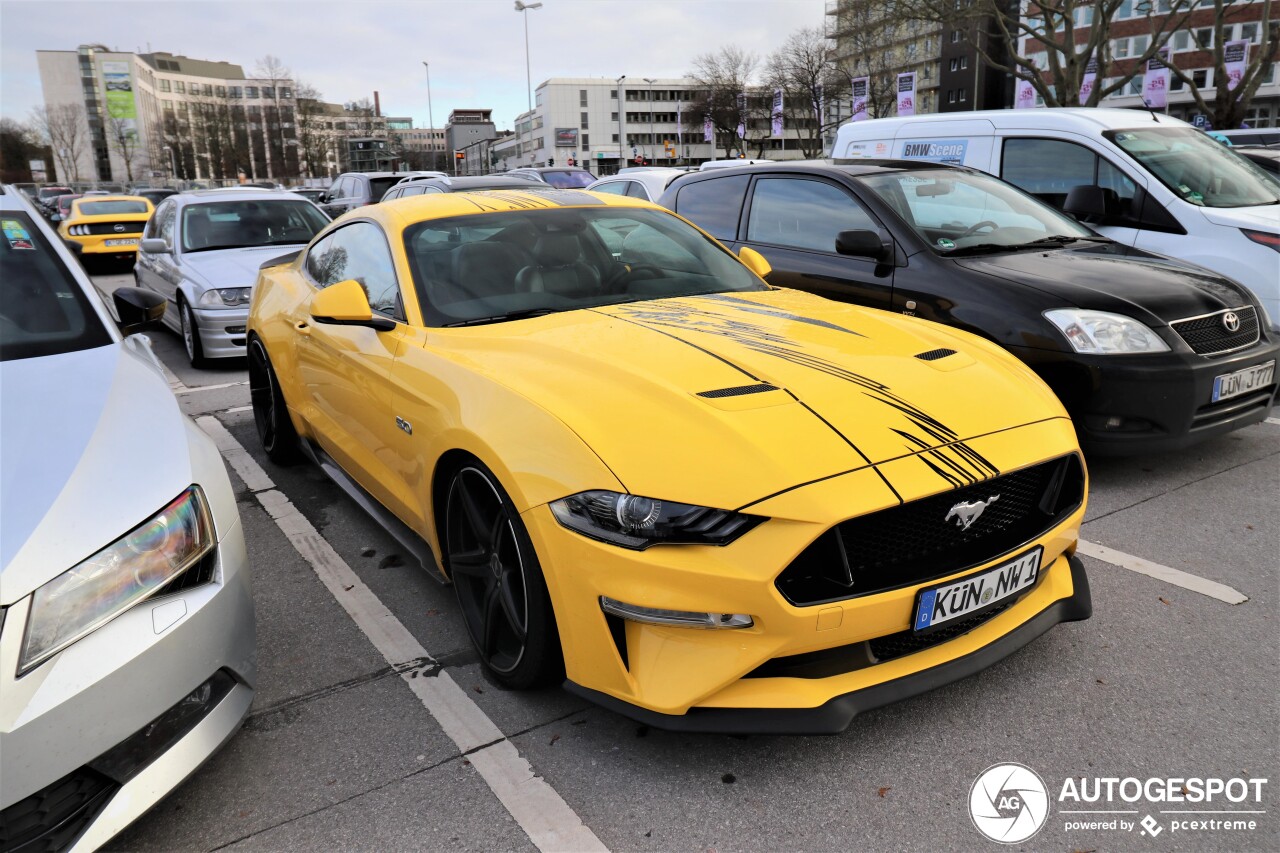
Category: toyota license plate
<point>936,606</point>
<point>128,241</point>
<point>1230,385</point>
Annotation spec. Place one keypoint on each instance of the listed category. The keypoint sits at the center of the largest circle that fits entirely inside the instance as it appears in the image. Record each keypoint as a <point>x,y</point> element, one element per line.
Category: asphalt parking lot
<point>1167,680</point>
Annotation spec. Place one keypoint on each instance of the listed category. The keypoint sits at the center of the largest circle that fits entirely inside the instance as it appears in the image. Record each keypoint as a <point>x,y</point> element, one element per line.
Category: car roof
<point>853,168</point>
<point>231,194</point>
<point>470,182</point>
<point>403,212</point>
<point>1088,119</point>
<point>542,169</point>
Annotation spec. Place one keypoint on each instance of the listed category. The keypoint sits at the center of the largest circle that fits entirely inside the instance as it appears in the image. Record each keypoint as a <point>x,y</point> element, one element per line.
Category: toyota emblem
<point>1231,321</point>
<point>120,230</point>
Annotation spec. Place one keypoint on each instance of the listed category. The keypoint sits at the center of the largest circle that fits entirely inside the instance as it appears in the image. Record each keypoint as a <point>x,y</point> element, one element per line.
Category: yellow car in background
<point>710,504</point>
<point>106,226</point>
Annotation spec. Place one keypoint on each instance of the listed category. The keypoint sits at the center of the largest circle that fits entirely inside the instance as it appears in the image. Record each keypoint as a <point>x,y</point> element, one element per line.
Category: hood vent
<point>738,391</point>
<point>935,354</point>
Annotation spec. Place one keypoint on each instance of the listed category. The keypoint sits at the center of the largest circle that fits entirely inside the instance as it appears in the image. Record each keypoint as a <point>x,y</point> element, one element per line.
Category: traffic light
<point>551,162</point>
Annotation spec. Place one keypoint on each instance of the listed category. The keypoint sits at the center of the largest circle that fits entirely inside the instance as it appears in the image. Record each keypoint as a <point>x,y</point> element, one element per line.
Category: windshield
<point>236,224</point>
<point>1201,171</point>
<point>503,266</point>
<point>100,208</point>
<point>964,213</point>
<point>43,311</point>
<point>569,180</point>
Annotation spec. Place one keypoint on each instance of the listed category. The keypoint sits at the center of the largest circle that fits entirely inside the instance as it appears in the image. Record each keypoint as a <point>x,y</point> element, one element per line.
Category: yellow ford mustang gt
<point>707,503</point>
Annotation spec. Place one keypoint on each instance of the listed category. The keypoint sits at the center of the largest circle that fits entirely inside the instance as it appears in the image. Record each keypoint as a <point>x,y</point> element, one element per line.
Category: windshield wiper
<point>1051,240</point>
<point>500,318</point>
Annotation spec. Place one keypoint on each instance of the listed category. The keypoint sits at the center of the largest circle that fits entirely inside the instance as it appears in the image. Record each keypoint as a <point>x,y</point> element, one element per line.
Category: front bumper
<point>71,717</point>
<point>1163,402</point>
<point>717,679</point>
<point>222,331</point>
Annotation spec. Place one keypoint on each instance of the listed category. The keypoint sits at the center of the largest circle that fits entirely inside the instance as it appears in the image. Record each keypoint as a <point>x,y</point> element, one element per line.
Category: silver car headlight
<point>636,523</point>
<point>129,570</point>
<point>225,297</point>
<point>1103,333</point>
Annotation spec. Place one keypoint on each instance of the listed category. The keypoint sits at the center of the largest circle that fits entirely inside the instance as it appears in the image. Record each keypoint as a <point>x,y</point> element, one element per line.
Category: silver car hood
<point>232,267</point>
<point>92,444</point>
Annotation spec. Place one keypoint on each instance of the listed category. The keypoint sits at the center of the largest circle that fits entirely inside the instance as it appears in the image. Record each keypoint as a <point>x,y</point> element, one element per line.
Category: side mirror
<point>754,261</point>
<point>862,243</point>
<point>323,198</point>
<point>1091,202</point>
<point>137,308</point>
<point>154,246</point>
<point>347,304</point>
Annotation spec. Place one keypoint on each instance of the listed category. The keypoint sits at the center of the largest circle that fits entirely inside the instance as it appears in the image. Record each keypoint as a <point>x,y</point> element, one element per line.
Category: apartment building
<point>872,40</point>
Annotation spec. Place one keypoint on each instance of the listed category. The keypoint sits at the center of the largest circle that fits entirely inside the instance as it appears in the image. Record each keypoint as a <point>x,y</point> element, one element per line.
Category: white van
<point>1146,180</point>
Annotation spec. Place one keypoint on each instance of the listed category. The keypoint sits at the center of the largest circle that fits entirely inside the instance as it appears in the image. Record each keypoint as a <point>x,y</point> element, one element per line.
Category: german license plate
<point>1230,385</point>
<point>127,241</point>
<point>936,606</point>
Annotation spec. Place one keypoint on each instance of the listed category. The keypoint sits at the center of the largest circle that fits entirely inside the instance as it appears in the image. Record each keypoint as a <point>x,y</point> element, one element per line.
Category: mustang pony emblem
<point>967,513</point>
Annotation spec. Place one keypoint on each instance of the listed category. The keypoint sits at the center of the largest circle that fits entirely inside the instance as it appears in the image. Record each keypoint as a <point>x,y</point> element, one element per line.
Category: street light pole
<point>431,122</point>
<point>650,82</point>
<point>523,8</point>
<point>622,140</point>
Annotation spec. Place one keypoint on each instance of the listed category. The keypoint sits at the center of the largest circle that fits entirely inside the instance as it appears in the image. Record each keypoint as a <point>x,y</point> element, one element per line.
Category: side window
<point>1047,168</point>
<point>165,225</point>
<point>392,194</point>
<point>153,224</point>
<point>635,189</point>
<point>714,205</point>
<point>1111,178</point>
<point>803,213</point>
<point>359,251</point>
<point>613,188</point>
<point>343,189</point>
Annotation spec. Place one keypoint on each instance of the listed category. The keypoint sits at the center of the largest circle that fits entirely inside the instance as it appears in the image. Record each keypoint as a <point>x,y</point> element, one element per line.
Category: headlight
<point>226,297</point>
<point>635,522</point>
<point>1102,333</point>
<point>87,596</point>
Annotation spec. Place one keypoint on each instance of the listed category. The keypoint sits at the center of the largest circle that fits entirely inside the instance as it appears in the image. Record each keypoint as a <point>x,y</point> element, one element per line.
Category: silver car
<point>201,251</point>
<point>126,622</point>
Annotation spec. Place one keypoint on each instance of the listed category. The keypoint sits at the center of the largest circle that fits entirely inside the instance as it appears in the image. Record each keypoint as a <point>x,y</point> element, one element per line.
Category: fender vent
<point>738,391</point>
<point>935,354</point>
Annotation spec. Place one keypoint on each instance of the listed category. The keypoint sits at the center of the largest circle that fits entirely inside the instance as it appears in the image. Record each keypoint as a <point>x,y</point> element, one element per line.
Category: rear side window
<point>613,188</point>
<point>803,213</point>
<point>379,186</point>
<point>714,205</point>
<point>43,311</point>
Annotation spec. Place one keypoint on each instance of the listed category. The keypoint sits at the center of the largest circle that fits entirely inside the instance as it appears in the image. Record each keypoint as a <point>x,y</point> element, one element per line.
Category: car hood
<point>1263,217</point>
<point>232,267</point>
<point>1148,287</point>
<point>81,467</point>
<point>668,392</point>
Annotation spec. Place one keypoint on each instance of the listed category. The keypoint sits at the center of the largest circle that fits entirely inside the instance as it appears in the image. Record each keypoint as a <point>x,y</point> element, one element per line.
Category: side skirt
<point>401,532</point>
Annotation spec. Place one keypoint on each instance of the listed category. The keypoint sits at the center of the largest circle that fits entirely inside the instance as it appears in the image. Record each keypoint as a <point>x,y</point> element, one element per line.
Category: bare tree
<point>275,75</point>
<point>309,117</point>
<point>870,45</point>
<point>1053,44</point>
<point>65,128</point>
<point>804,68</point>
<point>122,138</point>
<point>1231,103</point>
<point>723,78</point>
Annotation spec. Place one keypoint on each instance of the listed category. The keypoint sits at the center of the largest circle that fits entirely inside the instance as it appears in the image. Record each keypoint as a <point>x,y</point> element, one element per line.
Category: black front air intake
<point>935,536</point>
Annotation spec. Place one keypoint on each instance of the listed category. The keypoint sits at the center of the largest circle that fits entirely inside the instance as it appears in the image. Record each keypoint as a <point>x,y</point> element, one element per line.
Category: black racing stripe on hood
<point>965,463</point>
<point>747,305</point>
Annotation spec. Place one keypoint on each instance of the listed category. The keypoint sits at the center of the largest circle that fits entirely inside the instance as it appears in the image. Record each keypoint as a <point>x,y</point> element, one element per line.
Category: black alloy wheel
<point>498,582</point>
<point>275,430</point>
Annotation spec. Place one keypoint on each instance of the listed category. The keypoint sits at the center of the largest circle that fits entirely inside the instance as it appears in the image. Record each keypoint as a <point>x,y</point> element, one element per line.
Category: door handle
<point>302,328</point>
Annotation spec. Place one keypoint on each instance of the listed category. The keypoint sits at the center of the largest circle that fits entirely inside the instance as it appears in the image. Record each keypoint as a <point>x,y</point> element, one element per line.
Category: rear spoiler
<point>283,259</point>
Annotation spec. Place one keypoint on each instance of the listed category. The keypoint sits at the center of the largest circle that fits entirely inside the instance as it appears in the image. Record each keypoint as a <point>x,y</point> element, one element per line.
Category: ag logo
<point>1008,803</point>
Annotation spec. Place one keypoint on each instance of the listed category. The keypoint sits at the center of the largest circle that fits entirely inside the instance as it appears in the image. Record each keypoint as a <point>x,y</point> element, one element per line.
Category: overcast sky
<point>349,49</point>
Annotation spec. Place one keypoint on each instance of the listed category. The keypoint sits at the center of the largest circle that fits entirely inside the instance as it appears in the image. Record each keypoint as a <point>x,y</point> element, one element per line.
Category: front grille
<point>1208,336</point>
<point>918,541</point>
<point>109,228</point>
<point>53,818</point>
<point>1233,408</point>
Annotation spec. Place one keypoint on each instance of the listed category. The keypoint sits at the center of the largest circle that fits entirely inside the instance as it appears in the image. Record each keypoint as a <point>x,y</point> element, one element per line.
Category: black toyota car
<point>1146,353</point>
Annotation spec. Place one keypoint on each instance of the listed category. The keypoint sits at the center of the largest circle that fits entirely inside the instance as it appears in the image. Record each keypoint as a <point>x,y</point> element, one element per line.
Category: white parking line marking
<point>237,409</point>
<point>1273,420</point>
<point>542,813</point>
<point>194,388</point>
<point>1213,589</point>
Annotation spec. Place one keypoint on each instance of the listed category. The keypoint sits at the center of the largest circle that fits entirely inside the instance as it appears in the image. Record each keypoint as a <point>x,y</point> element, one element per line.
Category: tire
<point>276,434</point>
<point>190,335</point>
<point>499,583</point>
